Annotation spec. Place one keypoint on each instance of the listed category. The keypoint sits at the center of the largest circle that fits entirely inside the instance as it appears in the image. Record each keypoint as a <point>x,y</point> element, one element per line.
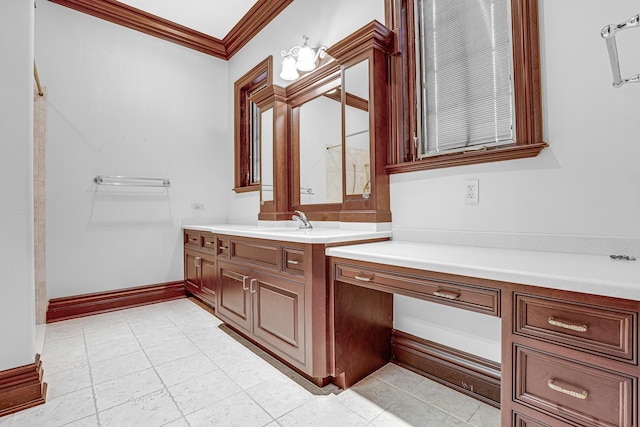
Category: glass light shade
<point>306,59</point>
<point>289,71</point>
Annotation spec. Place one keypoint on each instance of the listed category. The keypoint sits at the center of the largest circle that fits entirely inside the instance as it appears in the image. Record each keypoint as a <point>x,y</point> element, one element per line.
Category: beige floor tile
<point>399,377</point>
<point>450,401</point>
<point>251,371</point>
<point>322,411</point>
<point>171,351</point>
<point>63,382</point>
<point>203,391</point>
<point>370,397</point>
<point>236,411</point>
<point>185,369</point>
<point>279,395</point>
<point>414,412</point>
<point>59,411</point>
<point>116,392</point>
<point>119,366</point>
<point>486,416</point>
<point>152,410</point>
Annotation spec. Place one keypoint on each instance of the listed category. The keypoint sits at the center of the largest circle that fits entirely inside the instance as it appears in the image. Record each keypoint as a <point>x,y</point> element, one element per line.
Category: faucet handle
<point>301,215</point>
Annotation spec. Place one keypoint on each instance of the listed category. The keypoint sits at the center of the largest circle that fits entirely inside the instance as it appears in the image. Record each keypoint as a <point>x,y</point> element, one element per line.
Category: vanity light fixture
<point>307,57</point>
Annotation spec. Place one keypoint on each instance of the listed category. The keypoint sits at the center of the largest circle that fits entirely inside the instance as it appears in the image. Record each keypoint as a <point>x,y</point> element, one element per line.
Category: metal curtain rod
<point>35,74</point>
<point>609,35</point>
<point>129,181</point>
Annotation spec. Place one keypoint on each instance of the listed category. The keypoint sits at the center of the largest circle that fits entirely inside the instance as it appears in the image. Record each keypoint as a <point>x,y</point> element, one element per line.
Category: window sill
<point>470,158</point>
<point>247,189</point>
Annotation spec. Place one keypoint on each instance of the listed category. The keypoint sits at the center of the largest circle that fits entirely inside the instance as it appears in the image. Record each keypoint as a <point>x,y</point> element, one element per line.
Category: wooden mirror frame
<point>373,41</point>
<point>527,93</point>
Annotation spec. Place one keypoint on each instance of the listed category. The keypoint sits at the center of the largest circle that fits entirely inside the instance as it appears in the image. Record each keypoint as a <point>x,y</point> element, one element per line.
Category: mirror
<point>266,155</point>
<point>356,130</point>
<point>320,148</point>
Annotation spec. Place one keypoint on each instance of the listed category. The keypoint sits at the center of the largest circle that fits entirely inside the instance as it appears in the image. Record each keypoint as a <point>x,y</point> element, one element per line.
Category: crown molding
<point>251,23</point>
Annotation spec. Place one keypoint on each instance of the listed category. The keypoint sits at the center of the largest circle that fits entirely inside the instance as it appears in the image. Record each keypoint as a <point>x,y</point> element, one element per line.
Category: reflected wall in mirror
<point>356,130</point>
<point>266,154</point>
<point>320,148</point>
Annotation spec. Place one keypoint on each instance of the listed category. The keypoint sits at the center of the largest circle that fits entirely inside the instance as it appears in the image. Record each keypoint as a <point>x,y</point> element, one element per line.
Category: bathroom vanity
<point>270,285</point>
<point>569,325</point>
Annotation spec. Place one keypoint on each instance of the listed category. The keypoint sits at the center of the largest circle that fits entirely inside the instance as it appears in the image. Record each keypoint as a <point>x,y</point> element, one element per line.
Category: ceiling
<point>216,27</point>
<point>212,17</point>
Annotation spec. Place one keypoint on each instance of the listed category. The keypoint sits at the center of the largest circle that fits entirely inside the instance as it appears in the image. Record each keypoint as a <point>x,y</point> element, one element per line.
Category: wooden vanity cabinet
<point>200,274</point>
<point>569,359</point>
<point>275,294</point>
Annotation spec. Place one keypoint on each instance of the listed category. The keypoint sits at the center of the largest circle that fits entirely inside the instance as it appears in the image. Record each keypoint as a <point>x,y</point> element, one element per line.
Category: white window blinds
<point>463,74</point>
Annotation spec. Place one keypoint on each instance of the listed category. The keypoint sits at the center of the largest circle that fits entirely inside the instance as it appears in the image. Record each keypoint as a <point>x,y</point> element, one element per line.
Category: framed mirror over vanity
<point>324,138</point>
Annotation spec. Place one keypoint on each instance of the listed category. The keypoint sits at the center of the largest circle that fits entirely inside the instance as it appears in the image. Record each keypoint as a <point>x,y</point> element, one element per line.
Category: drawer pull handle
<point>576,394</point>
<point>447,295</point>
<point>208,243</point>
<point>293,261</point>
<point>193,239</point>
<point>363,278</point>
<point>577,328</point>
<point>223,248</point>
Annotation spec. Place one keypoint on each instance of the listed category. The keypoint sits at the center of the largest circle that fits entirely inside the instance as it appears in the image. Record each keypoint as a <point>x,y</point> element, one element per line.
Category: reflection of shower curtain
<point>358,172</point>
<point>334,174</point>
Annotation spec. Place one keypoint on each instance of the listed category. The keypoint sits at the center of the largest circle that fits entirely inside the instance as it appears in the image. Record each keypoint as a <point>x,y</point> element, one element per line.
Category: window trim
<point>257,78</point>
<point>402,156</point>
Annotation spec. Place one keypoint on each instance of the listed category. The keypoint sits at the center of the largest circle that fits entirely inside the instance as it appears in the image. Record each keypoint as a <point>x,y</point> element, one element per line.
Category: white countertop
<point>291,234</point>
<point>593,274</point>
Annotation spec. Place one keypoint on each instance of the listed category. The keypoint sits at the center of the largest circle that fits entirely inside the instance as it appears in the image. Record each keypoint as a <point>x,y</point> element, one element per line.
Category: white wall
<point>17,305</point>
<point>124,103</point>
<point>325,23</point>
<point>581,194</point>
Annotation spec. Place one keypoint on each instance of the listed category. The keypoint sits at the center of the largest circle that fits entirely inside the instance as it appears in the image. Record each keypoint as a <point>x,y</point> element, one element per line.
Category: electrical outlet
<point>471,189</point>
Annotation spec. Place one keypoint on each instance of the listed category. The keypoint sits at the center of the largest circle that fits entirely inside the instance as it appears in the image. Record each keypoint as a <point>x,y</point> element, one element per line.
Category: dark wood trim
<point>470,158</point>
<point>258,77</point>
<point>102,302</point>
<point>261,14</point>
<point>22,388</point>
<point>403,156</point>
<point>136,19</point>
<point>461,371</point>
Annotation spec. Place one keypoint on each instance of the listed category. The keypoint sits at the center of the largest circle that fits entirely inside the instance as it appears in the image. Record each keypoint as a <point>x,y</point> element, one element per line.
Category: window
<point>247,126</point>
<point>465,82</point>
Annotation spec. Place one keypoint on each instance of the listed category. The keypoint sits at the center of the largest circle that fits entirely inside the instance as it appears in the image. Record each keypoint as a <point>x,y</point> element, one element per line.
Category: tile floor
<point>173,364</point>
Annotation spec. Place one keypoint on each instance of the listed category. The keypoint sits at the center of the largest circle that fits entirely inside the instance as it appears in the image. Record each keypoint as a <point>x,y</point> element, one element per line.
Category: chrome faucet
<point>302,220</point>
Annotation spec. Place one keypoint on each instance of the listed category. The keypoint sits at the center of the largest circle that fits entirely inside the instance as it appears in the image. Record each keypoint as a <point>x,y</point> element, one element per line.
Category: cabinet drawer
<point>576,392</point>
<point>598,330</point>
<point>293,261</point>
<point>469,297</point>
<point>209,242</point>
<point>223,248</point>
<point>193,239</point>
<point>262,253</point>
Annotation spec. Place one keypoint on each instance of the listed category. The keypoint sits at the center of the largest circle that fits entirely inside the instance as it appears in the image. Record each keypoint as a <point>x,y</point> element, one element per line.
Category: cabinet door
<point>279,315</point>
<point>192,261</point>
<point>233,295</point>
<point>208,281</point>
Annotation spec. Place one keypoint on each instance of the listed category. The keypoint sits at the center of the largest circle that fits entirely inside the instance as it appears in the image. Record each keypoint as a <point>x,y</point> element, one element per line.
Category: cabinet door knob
<point>578,328</point>
<point>578,395</point>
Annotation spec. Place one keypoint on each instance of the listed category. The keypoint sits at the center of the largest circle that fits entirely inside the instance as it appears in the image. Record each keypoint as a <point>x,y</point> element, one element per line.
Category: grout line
<point>93,390</point>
